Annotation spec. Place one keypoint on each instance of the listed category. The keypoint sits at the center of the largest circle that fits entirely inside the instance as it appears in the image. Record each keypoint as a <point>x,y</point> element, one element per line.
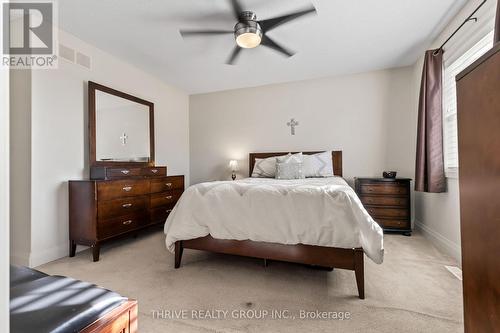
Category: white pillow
<point>295,158</point>
<point>318,165</point>
<point>265,167</point>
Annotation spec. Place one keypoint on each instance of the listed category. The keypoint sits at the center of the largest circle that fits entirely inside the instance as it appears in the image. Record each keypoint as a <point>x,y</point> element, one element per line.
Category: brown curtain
<point>497,25</point>
<point>429,170</point>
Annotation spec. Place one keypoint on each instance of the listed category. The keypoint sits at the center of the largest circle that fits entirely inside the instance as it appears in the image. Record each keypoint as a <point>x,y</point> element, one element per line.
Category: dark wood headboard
<point>336,159</point>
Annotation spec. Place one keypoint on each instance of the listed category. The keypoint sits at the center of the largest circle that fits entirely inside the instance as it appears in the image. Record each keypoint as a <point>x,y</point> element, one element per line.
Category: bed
<point>313,221</point>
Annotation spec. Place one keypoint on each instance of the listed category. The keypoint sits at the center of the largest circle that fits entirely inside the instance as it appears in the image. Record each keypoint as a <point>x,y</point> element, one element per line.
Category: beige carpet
<point>410,292</point>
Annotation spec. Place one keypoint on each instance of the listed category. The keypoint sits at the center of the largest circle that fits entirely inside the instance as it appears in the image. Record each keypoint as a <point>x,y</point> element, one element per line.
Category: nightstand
<point>387,201</point>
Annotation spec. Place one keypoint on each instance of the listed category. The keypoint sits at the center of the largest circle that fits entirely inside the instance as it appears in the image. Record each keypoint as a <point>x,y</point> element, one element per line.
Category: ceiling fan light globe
<point>248,40</point>
<point>248,34</point>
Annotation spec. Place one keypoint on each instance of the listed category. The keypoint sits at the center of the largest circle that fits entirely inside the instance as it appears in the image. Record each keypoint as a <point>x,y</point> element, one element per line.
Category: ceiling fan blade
<point>266,41</point>
<point>190,33</point>
<point>234,55</point>
<point>272,23</point>
<point>237,9</point>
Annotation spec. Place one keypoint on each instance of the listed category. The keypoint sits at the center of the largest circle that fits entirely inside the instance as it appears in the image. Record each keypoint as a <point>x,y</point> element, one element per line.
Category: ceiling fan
<point>249,32</point>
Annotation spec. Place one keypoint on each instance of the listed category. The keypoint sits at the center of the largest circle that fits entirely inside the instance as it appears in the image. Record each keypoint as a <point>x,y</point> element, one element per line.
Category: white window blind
<point>450,100</point>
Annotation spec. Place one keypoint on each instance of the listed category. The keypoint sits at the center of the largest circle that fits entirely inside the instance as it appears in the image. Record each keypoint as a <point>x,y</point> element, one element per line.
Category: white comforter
<point>313,211</point>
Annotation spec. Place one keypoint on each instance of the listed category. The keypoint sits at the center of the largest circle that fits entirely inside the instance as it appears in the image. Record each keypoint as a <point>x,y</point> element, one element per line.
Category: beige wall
<point>438,215</point>
<point>369,116</point>
<point>59,144</point>
<point>20,166</point>
<point>4,198</point>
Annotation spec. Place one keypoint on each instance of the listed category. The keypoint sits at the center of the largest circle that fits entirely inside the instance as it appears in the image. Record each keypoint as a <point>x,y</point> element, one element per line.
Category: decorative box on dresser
<point>119,201</point>
<point>387,201</point>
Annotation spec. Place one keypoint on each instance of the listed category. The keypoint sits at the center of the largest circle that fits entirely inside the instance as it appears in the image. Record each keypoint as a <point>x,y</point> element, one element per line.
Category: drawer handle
<point>168,197</point>
<point>125,172</point>
<point>127,222</point>
<point>168,184</point>
<point>127,205</point>
<point>154,171</point>
<point>127,188</point>
<point>168,211</point>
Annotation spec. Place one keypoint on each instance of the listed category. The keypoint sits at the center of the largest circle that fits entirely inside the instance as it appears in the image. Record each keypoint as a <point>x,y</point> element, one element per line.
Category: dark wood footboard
<point>351,259</point>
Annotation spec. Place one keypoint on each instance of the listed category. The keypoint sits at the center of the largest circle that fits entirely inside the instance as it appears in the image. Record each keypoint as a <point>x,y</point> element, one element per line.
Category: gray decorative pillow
<point>318,165</point>
<point>265,167</point>
<point>289,170</point>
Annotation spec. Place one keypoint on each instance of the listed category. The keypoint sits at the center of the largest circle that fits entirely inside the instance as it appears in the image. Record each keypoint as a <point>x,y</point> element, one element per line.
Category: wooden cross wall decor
<point>124,138</point>
<point>292,123</point>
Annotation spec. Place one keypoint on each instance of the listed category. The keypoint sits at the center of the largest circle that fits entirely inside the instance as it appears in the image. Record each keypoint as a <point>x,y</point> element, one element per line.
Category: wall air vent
<point>74,56</point>
<point>66,53</point>
<point>83,60</point>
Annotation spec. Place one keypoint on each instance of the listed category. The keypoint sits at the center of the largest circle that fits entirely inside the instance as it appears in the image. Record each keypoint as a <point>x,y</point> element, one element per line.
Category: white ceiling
<point>345,37</point>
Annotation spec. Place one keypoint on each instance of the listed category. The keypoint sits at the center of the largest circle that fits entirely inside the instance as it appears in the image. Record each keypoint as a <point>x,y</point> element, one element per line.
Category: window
<point>450,101</point>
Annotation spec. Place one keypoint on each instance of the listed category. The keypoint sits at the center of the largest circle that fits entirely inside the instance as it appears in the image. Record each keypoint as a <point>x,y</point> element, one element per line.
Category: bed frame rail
<point>351,259</point>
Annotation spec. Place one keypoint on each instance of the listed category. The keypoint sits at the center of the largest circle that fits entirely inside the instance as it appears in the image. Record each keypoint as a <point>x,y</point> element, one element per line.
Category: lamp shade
<point>233,165</point>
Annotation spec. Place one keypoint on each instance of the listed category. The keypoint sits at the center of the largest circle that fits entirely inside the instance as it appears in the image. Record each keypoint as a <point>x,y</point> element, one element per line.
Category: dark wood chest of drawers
<point>387,201</point>
<point>100,210</point>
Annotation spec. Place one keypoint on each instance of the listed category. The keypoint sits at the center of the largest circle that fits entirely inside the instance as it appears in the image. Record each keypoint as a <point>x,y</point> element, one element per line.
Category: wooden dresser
<point>119,201</point>
<point>387,201</point>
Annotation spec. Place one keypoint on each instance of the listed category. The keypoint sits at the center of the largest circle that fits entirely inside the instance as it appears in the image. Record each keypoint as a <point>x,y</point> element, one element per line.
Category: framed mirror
<point>121,128</point>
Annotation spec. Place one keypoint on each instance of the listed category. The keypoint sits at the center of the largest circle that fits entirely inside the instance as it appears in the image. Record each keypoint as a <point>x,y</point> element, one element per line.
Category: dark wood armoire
<point>478,98</point>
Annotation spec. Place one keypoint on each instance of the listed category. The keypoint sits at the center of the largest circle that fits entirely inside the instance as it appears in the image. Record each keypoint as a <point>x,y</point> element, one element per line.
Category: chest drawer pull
<point>127,188</point>
<point>168,211</point>
<point>169,197</point>
<point>154,171</point>
<point>127,222</point>
<point>168,184</point>
<point>125,172</point>
<point>127,205</point>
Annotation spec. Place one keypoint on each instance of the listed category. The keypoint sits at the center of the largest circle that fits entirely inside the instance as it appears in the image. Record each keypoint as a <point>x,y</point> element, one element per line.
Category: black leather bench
<point>44,303</point>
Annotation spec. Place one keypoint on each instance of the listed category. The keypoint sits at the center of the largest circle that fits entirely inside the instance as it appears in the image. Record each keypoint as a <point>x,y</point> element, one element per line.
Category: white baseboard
<point>444,244</point>
<point>51,254</point>
<point>48,255</point>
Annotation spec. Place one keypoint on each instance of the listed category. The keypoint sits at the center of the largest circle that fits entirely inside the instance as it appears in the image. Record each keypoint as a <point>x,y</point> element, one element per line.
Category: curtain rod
<point>468,19</point>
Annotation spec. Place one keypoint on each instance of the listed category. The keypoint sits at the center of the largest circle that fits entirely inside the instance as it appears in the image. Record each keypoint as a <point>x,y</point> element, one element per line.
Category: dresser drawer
<point>119,207</point>
<point>160,214</point>
<point>387,212</point>
<point>119,225</point>
<point>114,173</point>
<point>122,188</point>
<point>395,189</point>
<point>165,199</point>
<point>167,183</point>
<point>393,223</point>
<point>384,201</point>
<point>154,171</point>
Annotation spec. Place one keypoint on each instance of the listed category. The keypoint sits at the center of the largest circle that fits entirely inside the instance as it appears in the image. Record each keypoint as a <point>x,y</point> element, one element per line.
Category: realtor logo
<point>29,32</point>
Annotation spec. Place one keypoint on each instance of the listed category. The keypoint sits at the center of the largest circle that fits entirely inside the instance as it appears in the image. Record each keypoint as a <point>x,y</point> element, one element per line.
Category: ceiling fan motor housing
<point>248,26</point>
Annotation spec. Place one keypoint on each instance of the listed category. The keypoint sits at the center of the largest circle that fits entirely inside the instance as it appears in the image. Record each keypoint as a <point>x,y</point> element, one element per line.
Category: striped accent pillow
<point>318,165</point>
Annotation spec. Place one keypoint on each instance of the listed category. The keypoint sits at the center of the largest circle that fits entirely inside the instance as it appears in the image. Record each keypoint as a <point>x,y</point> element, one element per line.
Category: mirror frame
<point>92,88</point>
